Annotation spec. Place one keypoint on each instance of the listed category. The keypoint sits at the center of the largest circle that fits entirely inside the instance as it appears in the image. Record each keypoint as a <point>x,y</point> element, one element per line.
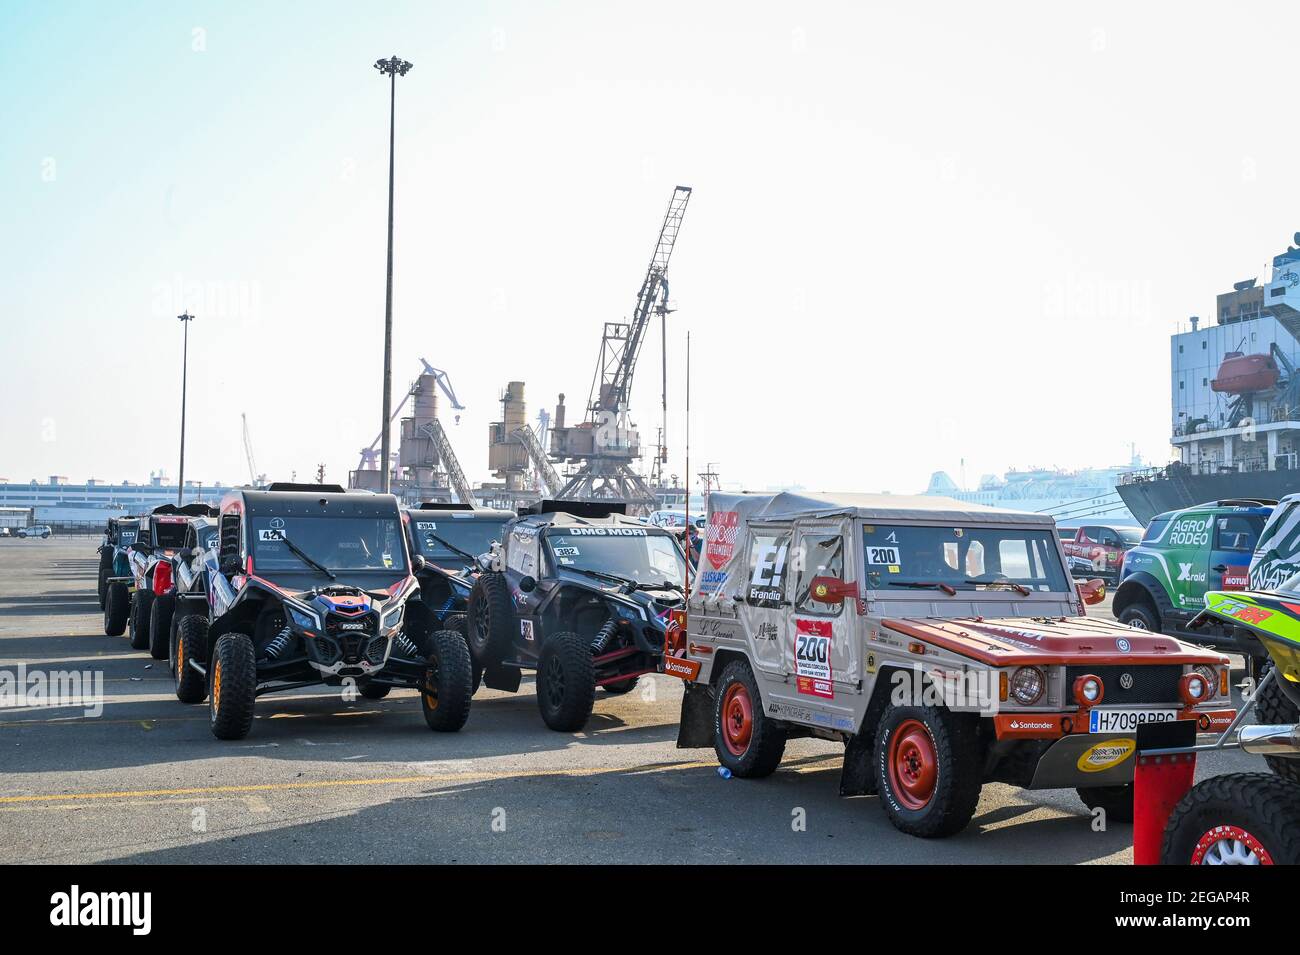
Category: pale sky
<point>919,232</point>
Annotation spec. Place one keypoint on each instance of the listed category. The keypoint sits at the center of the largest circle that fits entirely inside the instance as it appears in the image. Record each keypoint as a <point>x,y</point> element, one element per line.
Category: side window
<point>1234,533</point>
<point>521,552</point>
<point>769,550</point>
<point>1154,530</point>
<point>229,537</point>
<point>819,555</point>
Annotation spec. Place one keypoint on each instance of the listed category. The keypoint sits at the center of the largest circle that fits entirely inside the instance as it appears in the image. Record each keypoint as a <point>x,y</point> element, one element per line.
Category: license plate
<point>1126,721</point>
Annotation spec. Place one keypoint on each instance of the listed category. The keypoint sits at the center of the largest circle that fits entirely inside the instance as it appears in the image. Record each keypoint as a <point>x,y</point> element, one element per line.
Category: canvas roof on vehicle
<point>877,507</point>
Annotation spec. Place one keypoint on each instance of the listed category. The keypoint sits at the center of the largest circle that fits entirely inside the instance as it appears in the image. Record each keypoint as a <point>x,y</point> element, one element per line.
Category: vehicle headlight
<point>1211,678</point>
<point>1194,688</point>
<point>392,619</point>
<point>627,611</point>
<point>302,619</point>
<point>1027,685</point>
<point>1088,690</point>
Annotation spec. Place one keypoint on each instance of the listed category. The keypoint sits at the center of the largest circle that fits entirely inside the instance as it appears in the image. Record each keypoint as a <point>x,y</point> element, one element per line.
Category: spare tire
<point>490,627</point>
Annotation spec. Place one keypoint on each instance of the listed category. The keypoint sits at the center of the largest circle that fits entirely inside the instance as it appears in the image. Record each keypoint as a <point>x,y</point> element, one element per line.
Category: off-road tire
<point>739,721</point>
<point>448,683</point>
<point>490,627</point>
<point>1274,708</point>
<point>1117,801</point>
<point>954,750</point>
<point>621,687</point>
<point>232,686</point>
<point>566,682</point>
<point>117,608</point>
<point>1140,616</point>
<point>478,675</point>
<point>189,642</point>
<point>105,571</point>
<point>141,606</point>
<point>375,691</point>
<point>1264,808</point>
<point>458,622</point>
<point>160,626</point>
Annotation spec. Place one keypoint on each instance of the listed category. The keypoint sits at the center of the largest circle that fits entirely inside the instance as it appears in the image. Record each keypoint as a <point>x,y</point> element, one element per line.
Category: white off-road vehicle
<point>945,644</point>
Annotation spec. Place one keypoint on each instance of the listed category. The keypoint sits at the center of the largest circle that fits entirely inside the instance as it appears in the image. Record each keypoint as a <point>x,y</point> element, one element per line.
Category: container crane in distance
<point>370,456</point>
<point>605,444</point>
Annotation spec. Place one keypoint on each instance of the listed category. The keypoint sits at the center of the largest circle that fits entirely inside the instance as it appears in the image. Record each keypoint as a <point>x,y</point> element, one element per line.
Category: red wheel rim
<point>737,719</point>
<point>1229,845</point>
<point>913,764</point>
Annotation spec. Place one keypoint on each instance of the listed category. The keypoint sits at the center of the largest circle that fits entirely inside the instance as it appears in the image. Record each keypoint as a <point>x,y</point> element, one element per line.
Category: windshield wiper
<point>453,548</point>
<point>601,575</point>
<point>1019,588</point>
<point>663,585</point>
<point>949,589</point>
<point>302,555</point>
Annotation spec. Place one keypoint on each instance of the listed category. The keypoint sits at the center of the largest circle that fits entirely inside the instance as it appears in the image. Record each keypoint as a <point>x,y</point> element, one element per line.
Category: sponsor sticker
<point>884,555</point>
<point>606,531</point>
<point>566,552</point>
<point>270,534</point>
<point>1106,755</point>
<point>526,629</point>
<point>812,658</point>
<point>720,537</point>
<point>426,526</point>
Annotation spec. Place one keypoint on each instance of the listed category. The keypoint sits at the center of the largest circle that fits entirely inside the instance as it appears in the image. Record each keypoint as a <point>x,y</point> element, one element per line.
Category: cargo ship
<point>1235,390</point>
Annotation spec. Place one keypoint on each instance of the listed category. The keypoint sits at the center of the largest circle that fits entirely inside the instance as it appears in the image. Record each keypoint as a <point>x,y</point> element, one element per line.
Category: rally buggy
<point>455,541</point>
<point>119,534</point>
<point>311,587</point>
<point>944,644</point>
<point>181,584</point>
<point>160,535</point>
<point>1242,818</point>
<point>580,593</point>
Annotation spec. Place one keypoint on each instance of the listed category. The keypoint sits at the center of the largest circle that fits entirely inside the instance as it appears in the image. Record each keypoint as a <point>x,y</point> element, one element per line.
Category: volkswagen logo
<point>1126,681</point>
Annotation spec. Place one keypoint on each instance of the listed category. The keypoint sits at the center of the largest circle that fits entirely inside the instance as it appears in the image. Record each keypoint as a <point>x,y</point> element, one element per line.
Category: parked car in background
<point>36,530</point>
<point>1183,555</point>
<point>674,519</point>
<point>1097,550</point>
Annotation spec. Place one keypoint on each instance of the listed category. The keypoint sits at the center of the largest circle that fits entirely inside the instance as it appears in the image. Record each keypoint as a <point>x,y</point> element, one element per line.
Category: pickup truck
<point>1097,550</point>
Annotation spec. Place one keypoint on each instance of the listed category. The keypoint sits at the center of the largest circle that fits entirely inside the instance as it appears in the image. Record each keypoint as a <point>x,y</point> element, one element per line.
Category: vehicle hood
<point>382,583</point>
<point>1015,641</point>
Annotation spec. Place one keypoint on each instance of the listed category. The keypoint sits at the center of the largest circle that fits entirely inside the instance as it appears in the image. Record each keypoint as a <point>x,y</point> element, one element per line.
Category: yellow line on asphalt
<point>335,783</point>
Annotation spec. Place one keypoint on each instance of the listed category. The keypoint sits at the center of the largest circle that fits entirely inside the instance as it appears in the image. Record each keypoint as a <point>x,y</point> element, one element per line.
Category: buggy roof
<point>455,514</point>
<point>188,510</point>
<point>315,503</point>
<point>876,507</point>
<point>564,519</point>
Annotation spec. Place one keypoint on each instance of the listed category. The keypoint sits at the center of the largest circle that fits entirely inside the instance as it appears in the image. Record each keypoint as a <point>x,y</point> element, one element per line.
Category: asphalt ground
<point>321,780</point>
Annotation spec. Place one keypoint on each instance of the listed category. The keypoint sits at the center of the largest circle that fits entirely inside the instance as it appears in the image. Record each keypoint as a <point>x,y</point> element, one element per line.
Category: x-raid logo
<point>75,907</point>
<point>1186,573</point>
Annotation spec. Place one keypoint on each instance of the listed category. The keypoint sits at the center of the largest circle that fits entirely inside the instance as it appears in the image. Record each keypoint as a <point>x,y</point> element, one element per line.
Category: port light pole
<point>185,320</point>
<point>392,68</point>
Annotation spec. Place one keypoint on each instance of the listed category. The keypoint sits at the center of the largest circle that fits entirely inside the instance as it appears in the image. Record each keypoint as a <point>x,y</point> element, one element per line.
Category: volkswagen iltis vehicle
<point>943,643</point>
<point>582,596</point>
<point>311,587</point>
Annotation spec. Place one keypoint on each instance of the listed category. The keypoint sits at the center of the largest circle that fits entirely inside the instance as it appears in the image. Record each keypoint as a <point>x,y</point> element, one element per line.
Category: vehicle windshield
<point>169,533</point>
<point>336,542</point>
<point>208,537</point>
<point>964,558</point>
<point>643,555</point>
<point>472,535</point>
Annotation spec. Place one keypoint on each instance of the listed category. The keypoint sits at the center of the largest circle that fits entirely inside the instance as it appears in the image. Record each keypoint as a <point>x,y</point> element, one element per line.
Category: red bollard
<point>1158,783</point>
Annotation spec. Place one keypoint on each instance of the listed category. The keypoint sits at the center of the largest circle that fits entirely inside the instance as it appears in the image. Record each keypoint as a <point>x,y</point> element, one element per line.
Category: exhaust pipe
<point>1271,740</point>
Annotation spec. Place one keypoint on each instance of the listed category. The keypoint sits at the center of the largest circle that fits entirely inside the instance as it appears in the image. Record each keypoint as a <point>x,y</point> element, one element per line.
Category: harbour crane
<point>606,443</point>
<point>255,479</point>
<point>370,455</point>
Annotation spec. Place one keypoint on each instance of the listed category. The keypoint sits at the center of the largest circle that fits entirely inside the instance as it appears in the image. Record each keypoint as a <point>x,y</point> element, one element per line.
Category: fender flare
<point>1137,586</point>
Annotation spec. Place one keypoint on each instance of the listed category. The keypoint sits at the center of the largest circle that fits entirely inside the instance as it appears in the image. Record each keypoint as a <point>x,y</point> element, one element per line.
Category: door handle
<point>1219,569</point>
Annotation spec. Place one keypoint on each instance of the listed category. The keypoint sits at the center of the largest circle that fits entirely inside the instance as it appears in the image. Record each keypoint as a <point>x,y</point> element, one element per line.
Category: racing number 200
<point>812,649</point>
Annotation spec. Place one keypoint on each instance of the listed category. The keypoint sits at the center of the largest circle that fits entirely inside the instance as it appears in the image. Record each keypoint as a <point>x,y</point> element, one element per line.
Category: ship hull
<point>1146,499</point>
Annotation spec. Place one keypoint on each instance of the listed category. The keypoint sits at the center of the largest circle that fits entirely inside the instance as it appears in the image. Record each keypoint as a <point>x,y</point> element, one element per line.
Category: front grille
<point>377,650</point>
<point>1151,684</point>
<point>350,633</point>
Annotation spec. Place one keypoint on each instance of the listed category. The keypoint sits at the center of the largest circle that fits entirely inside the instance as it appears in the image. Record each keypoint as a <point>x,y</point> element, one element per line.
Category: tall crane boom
<point>455,475</point>
<point>253,477</point>
<point>622,342</point>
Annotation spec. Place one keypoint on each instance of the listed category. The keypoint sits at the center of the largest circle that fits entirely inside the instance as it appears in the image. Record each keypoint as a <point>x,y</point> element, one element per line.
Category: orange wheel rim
<point>216,686</point>
<point>913,764</point>
<point>737,719</point>
<point>180,655</point>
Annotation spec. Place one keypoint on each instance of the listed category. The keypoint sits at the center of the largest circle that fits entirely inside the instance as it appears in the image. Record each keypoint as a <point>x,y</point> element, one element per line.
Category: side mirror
<point>185,553</point>
<point>832,590</point>
<point>527,584</point>
<point>1092,591</point>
